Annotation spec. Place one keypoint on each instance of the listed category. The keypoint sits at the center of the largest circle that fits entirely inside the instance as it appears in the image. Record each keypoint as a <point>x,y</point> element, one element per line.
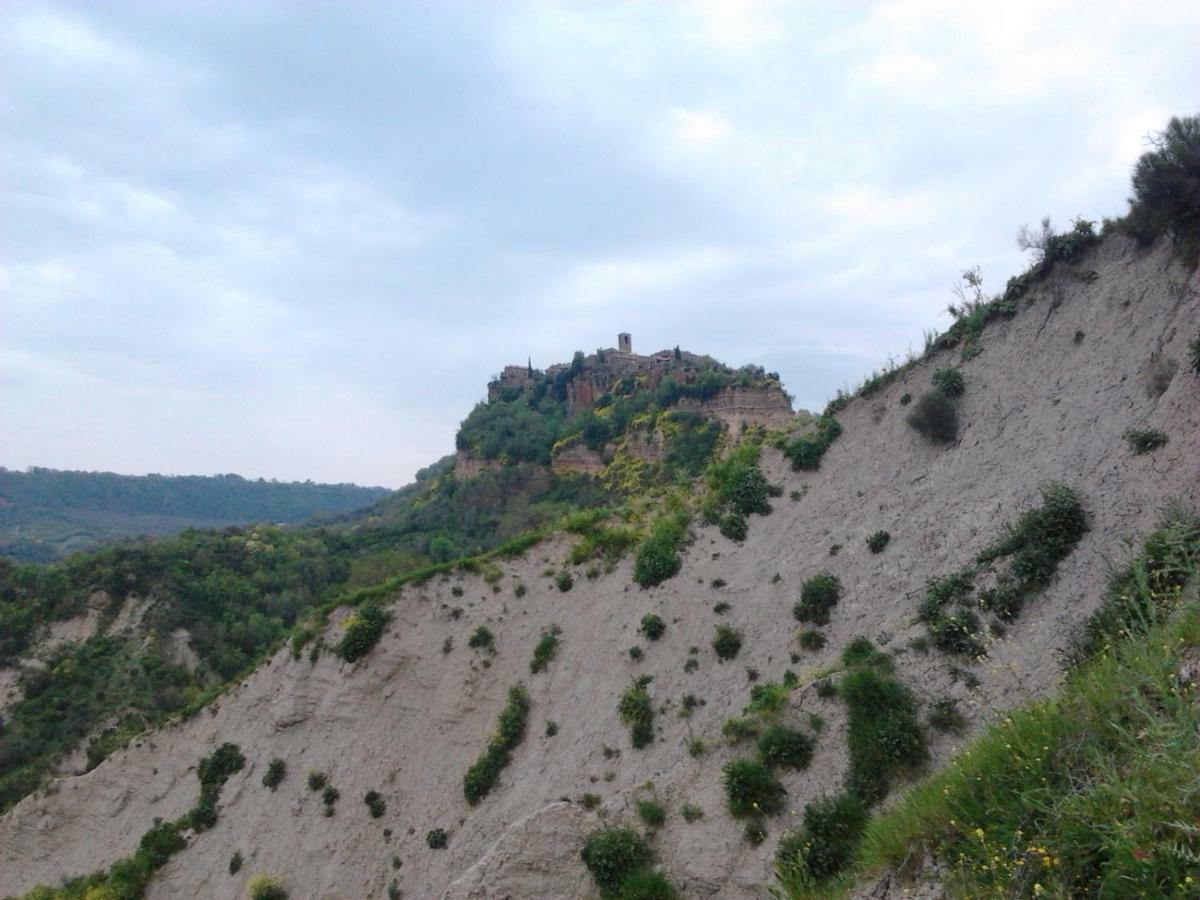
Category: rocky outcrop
<point>745,407</point>
<point>467,465</point>
<point>579,459</point>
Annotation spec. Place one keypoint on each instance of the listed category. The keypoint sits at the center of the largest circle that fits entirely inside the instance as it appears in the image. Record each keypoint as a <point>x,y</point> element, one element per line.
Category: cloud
<point>296,243</point>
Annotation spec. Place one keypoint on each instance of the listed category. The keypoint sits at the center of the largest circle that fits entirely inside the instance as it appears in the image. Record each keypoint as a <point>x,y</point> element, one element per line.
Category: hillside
<point>1092,349</point>
<point>46,514</point>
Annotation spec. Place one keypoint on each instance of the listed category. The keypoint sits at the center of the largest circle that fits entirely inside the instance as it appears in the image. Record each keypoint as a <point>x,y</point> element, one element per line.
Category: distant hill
<point>47,513</point>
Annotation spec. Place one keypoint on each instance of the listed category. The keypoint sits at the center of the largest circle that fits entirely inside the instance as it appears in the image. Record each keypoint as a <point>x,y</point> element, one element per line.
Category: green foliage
<point>1145,440</point>
<point>884,736</point>
<point>329,797</point>
<point>376,805</point>
<point>646,884</point>
<point>877,541</point>
<point>651,813</point>
<point>636,653</point>
<point>818,595</point>
<point>265,887</point>
<point>482,639</point>
<point>437,838</point>
<point>812,640</point>
<point>563,581</point>
<point>726,642</point>
<point>860,651</point>
<point>825,845</point>
<point>652,627</point>
<point>636,711</point>
<point>691,813</point>
<point>751,789</point>
<point>510,730</point>
<point>276,770</point>
<point>956,632</point>
<point>936,417</point>
<point>544,652</point>
<point>612,855</point>
<point>658,555</point>
<point>1194,354</point>
<point>738,483</point>
<point>361,631</point>
<point>805,451</point>
<point>235,862</point>
<point>949,382</point>
<point>738,730</point>
<point>769,697</point>
<point>690,441</point>
<point>1166,198</point>
<point>316,780</point>
<point>1042,537</point>
<point>781,745</point>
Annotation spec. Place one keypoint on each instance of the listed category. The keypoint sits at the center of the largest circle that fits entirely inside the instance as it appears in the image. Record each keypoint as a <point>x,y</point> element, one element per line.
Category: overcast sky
<point>294,240</point>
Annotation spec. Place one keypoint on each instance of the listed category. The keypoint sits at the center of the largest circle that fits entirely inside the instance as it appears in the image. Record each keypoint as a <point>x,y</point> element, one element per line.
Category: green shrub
<point>214,770</point>
<point>733,527</point>
<point>1166,187</point>
<point>264,887</point>
<point>884,736</point>
<point>646,884</point>
<point>482,639</point>
<point>317,780</point>
<point>751,789</point>
<point>1042,537</point>
<point>826,843</point>
<point>437,839</point>
<point>945,716</point>
<point>936,417</point>
<point>276,770</point>
<point>510,731</point>
<point>652,627</point>
<point>612,854</point>
<point>812,640</point>
<point>726,642</point>
<point>770,697</point>
<point>949,382</point>
<point>738,483</point>
<point>160,843</point>
<point>806,451</point>
<point>721,608</point>
<point>563,581</point>
<point>376,805</point>
<point>636,711</point>
<point>1194,354</point>
<point>658,555</point>
<point>636,653</point>
<point>826,689</point>
<point>543,653</point>
<point>651,813</point>
<point>957,632</point>
<point>877,541</point>
<point>781,745</point>
<point>818,595</point>
<point>1145,440</point>
<point>363,629</point>
<point>696,747</point>
<point>329,797</point>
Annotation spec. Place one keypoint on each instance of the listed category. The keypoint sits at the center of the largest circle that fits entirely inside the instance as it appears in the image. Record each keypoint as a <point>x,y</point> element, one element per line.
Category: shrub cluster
<point>544,652</point>
<point>884,736</point>
<point>376,805</point>
<point>637,712</point>
<point>737,489</point>
<point>949,382</point>
<point>751,789</point>
<point>437,838</point>
<point>658,555</point>
<point>783,746</point>
<point>812,640</point>
<point>363,628</point>
<point>276,770</point>
<point>726,642</point>
<point>652,627</point>
<point>1166,188</point>
<point>615,857</point>
<point>826,843</point>
<point>510,730</point>
<point>482,639</point>
<point>805,451</point>
<point>877,541</point>
<point>1145,440</point>
<point>818,595</point>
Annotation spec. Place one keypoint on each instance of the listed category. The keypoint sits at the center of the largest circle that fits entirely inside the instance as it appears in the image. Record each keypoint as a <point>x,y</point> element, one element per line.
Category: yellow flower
<point>1037,890</point>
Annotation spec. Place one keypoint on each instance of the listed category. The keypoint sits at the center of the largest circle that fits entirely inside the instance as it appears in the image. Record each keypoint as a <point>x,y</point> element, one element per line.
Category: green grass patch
<point>510,730</point>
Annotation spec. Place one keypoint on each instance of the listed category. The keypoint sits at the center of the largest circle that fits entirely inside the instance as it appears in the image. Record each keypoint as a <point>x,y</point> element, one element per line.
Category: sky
<point>295,239</point>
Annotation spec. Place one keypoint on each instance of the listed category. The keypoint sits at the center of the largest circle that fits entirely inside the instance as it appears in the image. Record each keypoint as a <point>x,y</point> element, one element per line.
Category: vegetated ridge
<point>724,672</point>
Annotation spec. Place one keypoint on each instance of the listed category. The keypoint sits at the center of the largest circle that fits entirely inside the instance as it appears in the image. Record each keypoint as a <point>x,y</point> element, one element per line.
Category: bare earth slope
<point>407,720</point>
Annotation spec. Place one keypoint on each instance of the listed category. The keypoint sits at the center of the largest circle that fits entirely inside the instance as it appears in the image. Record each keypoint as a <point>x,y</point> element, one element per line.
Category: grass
<point>651,813</point>
<point>1092,793</point>
<point>812,640</point>
<point>751,790</point>
<point>884,737</point>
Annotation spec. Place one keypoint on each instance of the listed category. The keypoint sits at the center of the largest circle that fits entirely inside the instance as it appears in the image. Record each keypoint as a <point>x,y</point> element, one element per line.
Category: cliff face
<point>1047,398</point>
<point>739,408</point>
